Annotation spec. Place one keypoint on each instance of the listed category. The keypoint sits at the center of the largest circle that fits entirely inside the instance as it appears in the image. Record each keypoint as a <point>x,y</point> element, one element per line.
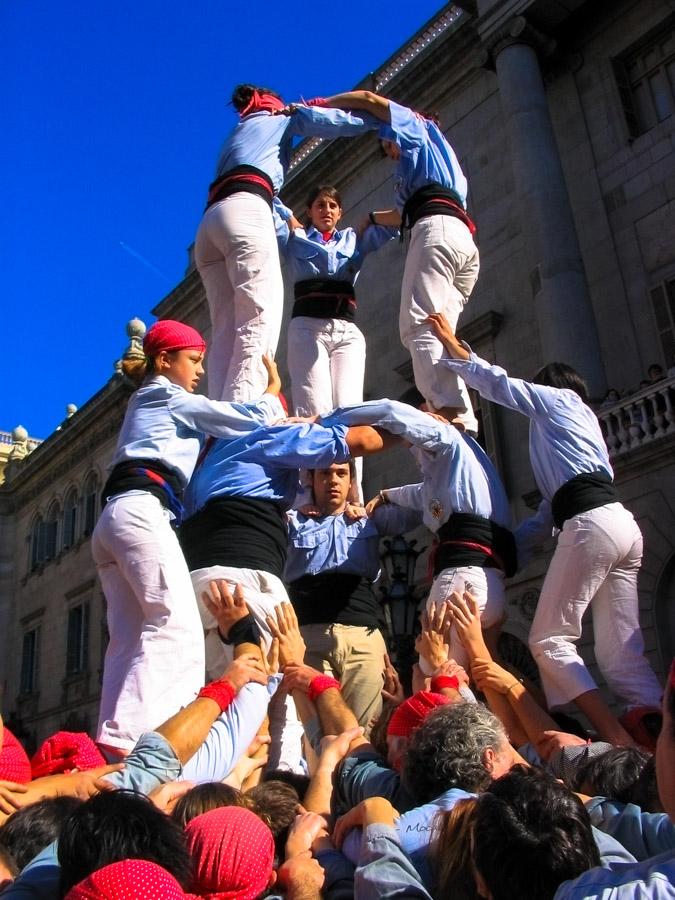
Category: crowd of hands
<point>313,829</point>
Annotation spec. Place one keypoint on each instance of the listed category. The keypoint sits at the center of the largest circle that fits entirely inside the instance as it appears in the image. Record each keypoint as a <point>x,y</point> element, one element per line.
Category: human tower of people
<point>233,541</point>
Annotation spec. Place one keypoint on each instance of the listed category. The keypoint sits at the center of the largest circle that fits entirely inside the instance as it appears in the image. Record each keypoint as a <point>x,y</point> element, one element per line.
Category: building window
<point>646,79</point>
<point>29,661</point>
<point>36,539</point>
<point>51,533</point>
<point>77,655</point>
<point>70,520</point>
<point>90,505</point>
<point>663,304</point>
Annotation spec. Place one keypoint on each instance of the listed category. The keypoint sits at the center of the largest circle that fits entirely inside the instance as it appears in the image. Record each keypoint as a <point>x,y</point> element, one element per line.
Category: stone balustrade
<point>638,420</point>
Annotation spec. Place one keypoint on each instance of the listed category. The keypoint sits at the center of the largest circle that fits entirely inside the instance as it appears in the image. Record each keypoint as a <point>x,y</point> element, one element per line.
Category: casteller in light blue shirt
<point>165,422</point>
<point>426,155</point>
<point>308,255</point>
<point>265,141</point>
<point>264,463</point>
<point>459,476</point>
<point>330,543</point>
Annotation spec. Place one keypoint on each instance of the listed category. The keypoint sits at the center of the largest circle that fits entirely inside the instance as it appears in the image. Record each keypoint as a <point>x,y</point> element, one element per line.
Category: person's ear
<point>273,879</point>
<point>489,760</point>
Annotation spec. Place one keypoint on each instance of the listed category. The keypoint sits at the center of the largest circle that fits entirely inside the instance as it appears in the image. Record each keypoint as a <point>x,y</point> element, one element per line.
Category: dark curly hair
<point>530,833</point>
<point>627,774</point>
<point>448,750</point>
<point>242,94</point>
<point>205,797</point>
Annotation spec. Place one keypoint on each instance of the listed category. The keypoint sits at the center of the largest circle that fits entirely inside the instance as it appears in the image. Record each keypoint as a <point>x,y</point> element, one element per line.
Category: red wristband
<point>441,682</point>
<point>221,692</point>
<point>319,684</point>
<point>316,101</point>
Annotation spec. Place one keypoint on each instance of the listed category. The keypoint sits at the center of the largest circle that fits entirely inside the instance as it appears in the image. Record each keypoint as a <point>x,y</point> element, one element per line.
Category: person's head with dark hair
<point>276,802</point>
<point>34,827</point>
<point>330,487</point>
<point>665,748</point>
<point>655,372</point>
<point>232,853</point>
<point>378,731</point>
<point>299,782</point>
<point>247,98</point>
<point>450,852</point>
<point>324,209</point>
<point>530,833</point>
<point>460,745</point>
<point>560,375</point>
<point>205,797</point>
<point>117,825</point>
<point>626,774</point>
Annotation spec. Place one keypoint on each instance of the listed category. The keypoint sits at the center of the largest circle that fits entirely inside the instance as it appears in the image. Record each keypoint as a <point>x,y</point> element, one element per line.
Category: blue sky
<point>112,115</point>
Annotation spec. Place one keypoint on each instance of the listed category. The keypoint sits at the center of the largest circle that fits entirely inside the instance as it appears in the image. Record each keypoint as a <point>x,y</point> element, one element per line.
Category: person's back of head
<point>450,852</point>
<point>205,797</point>
<point>560,375</point>
<point>34,827</point>
<point>459,745</point>
<point>530,833</point>
<point>276,803</point>
<point>118,825</point>
<point>626,774</point>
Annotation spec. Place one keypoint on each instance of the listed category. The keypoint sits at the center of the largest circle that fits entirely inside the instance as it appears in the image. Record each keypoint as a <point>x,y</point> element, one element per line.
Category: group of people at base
<point>232,549</point>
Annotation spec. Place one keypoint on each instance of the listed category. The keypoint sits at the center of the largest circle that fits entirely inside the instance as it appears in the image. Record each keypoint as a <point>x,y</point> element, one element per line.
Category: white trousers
<point>263,592</point>
<point>486,585</point>
<point>327,363</point>
<point>154,663</point>
<point>440,272</point>
<point>595,563</point>
<point>237,256</point>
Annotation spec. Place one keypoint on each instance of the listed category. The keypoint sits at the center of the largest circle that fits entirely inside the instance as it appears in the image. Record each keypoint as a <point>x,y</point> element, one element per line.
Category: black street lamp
<point>400,602</point>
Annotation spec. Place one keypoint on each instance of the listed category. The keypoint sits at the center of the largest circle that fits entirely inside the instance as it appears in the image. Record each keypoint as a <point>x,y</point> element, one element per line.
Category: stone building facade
<point>562,113</point>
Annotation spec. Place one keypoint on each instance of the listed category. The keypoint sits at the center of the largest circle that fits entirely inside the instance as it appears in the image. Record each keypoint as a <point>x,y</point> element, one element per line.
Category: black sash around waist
<point>469,540</point>
<point>241,178</point>
<point>434,200</point>
<point>581,494</point>
<point>335,598</point>
<point>321,298</point>
<point>148,475</point>
<point>243,532</point>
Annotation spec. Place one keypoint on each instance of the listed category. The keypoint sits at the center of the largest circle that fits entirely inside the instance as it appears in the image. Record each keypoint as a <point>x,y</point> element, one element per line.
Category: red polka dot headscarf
<point>65,751</point>
<point>232,854</point>
<point>131,879</point>
<point>14,763</point>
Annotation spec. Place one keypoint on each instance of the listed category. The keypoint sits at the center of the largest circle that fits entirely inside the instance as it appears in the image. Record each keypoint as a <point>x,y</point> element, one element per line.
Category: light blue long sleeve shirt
<point>266,141</point>
<point>333,543</point>
<point>458,474</point>
<point>264,463</point>
<point>307,255</point>
<point>165,422</point>
<point>426,155</point>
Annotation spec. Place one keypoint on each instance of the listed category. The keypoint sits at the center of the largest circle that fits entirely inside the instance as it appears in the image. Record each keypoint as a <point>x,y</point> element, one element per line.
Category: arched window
<point>51,532</point>
<point>70,519</point>
<point>36,539</point>
<point>90,504</point>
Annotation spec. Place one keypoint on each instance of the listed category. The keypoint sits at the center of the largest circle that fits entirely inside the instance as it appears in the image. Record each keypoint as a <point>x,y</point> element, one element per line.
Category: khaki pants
<point>355,656</point>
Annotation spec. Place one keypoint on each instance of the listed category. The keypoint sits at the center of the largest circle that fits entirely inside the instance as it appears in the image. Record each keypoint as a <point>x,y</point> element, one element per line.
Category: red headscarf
<point>232,853</point>
<point>167,334</point>
<point>262,103</point>
<point>413,711</point>
<point>14,763</point>
<point>130,879</point>
<point>65,751</point>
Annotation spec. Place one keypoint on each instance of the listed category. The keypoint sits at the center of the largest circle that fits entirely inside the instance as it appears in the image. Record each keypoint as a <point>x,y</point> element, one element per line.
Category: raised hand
<point>284,627</point>
<point>299,678</point>
<point>431,642</point>
<point>244,669</point>
<point>226,607</point>
<point>273,378</point>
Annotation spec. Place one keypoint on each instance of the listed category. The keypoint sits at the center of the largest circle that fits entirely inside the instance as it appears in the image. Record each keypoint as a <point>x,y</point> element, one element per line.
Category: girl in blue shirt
<point>154,663</point>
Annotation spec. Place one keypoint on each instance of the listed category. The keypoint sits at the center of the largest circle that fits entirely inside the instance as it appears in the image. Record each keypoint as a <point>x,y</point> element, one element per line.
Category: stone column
<point>562,301</point>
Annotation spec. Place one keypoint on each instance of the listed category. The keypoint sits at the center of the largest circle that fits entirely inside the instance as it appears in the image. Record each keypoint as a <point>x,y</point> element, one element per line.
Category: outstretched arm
<point>373,103</point>
<point>363,440</point>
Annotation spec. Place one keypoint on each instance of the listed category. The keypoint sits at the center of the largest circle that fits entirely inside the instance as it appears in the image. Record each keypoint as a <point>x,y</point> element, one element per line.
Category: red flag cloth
<point>14,762</point>
<point>232,853</point>
<point>65,751</point>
